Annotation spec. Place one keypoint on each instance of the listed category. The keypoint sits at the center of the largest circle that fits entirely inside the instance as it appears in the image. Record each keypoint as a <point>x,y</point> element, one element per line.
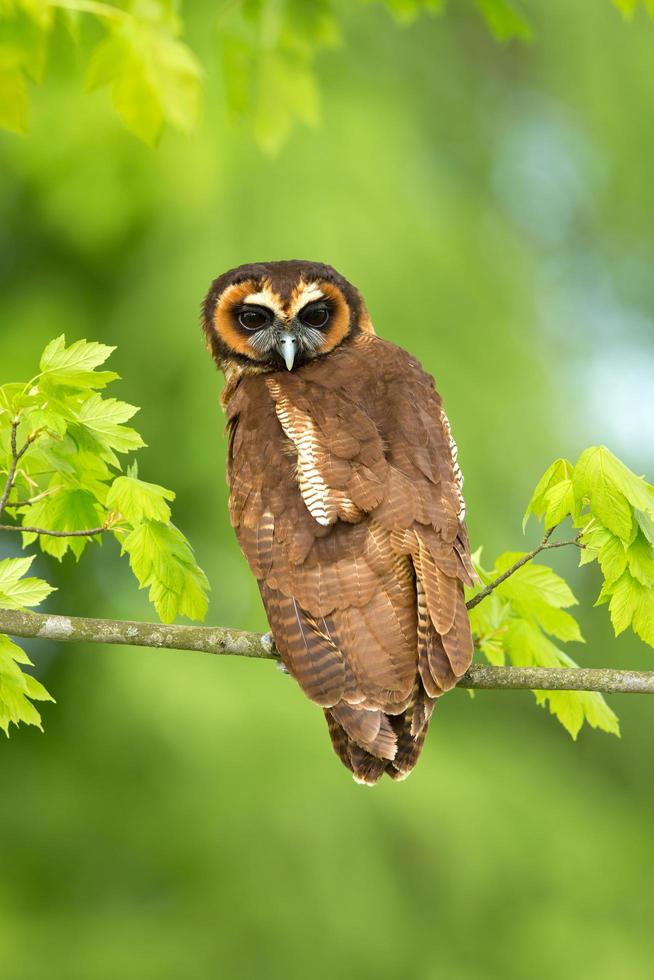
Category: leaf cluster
<point>612,510</point>
<point>18,689</point>
<point>523,622</point>
<point>62,446</point>
<point>154,77</point>
<point>266,50</point>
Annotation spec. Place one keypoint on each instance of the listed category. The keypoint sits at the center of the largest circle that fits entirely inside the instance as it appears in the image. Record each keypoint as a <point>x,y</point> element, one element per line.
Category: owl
<point>346,498</point>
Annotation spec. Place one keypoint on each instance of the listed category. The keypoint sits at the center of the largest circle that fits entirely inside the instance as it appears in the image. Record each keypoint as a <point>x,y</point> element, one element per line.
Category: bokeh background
<point>184,816</point>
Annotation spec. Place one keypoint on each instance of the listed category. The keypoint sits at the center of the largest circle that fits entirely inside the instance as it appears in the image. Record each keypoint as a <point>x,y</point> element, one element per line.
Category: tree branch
<point>11,474</point>
<point>218,640</point>
<point>53,534</point>
<point>16,456</point>
<point>545,545</point>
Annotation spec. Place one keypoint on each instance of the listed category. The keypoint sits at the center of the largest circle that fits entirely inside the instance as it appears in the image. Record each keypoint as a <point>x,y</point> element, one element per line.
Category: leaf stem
<point>15,504</point>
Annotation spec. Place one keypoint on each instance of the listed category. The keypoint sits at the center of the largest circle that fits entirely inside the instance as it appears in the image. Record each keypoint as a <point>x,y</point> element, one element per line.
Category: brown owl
<point>345,494</point>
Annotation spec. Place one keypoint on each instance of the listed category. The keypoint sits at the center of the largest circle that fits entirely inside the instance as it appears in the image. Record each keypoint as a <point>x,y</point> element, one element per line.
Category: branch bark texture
<point>218,640</point>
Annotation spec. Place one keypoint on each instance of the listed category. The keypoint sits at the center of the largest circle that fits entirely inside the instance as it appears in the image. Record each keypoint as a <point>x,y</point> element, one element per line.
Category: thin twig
<point>545,545</point>
<point>218,640</point>
<point>16,504</point>
<point>11,474</point>
<point>16,456</point>
<point>53,534</point>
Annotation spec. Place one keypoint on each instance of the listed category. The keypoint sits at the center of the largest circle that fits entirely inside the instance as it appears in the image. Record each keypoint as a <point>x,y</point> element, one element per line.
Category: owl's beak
<point>287,347</point>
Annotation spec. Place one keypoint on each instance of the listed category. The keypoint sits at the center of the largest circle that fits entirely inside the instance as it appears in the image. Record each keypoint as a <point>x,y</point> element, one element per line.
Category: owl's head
<point>271,316</point>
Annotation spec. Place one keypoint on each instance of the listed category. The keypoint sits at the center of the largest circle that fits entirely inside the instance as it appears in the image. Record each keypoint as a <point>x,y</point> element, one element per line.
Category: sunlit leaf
<point>533,582</point>
<point>162,561</point>
<point>104,418</point>
<point>138,501</point>
<point>559,472</point>
<point>75,366</point>
<point>17,592</point>
<point>505,20</point>
<point>65,510</point>
<point>16,687</point>
<point>14,106</point>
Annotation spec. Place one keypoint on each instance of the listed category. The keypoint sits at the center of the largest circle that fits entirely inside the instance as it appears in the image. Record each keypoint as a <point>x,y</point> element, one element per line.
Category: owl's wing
<point>347,506</point>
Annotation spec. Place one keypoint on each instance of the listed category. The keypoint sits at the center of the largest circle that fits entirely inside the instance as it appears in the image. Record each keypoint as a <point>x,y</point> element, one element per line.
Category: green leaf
<point>154,78</point>
<point>49,415</point>
<point>640,557</point>
<point>75,366</point>
<point>554,621</point>
<point>643,621</point>
<point>611,490</point>
<point>626,596</point>
<point>573,708</point>
<point>176,77</point>
<point>406,11</point>
<point>14,106</point>
<point>108,61</point>
<point>16,687</point>
<point>488,622</point>
<point>137,103</point>
<point>612,556</point>
<point>559,502</point>
<point>527,648</point>
<point>533,582</point>
<point>17,592</point>
<point>559,472</point>
<point>138,501</point>
<point>65,510</point>
<point>645,523</point>
<point>162,560</point>
<point>626,7</point>
<point>504,20</point>
<point>103,419</point>
<point>287,92</point>
<point>42,14</point>
<point>90,473</point>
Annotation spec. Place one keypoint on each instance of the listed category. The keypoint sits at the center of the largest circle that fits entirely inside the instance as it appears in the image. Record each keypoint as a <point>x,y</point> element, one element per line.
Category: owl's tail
<point>371,743</point>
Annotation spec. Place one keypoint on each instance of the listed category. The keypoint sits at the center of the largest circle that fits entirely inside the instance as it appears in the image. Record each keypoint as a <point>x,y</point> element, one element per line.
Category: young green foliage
<point>519,622</point>
<point>628,7</point>
<point>267,60</point>
<point>614,510</point>
<point>154,77</point>
<point>18,689</point>
<point>266,48</point>
<point>61,481</point>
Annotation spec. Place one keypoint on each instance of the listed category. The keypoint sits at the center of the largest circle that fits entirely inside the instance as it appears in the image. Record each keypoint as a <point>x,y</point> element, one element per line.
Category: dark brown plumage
<point>345,496</point>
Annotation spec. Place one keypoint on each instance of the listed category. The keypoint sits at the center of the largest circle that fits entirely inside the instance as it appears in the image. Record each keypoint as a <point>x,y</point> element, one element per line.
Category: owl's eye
<point>254,318</point>
<point>316,315</point>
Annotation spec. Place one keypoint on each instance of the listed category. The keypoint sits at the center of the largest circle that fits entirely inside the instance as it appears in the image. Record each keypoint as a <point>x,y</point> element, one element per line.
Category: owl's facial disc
<point>273,333</point>
<point>278,327</point>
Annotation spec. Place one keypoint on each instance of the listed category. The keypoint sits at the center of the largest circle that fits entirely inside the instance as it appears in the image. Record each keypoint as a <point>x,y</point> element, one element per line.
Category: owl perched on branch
<point>346,498</point>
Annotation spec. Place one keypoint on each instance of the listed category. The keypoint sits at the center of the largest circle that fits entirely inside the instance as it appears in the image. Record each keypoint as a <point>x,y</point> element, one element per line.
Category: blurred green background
<point>184,816</point>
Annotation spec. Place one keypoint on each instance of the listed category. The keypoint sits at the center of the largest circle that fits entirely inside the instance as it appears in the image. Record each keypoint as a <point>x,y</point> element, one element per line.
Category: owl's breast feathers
<point>346,499</point>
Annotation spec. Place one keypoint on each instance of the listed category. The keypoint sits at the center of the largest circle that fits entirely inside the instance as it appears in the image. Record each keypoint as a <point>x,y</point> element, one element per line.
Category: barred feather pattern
<point>346,497</point>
